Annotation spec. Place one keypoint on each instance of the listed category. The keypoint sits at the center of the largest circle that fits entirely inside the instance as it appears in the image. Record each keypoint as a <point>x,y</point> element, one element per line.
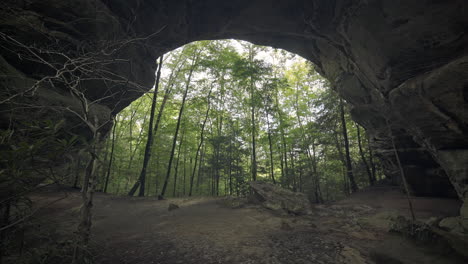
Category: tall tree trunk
<point>130,141</point>
<point>80,252</point>
<point>363,158</point>
<point>200,167</point>
<point>181,111</point>
<point>230,163</point>
<point>270,144</point>
<point>202,137</point>
<point>176,170</point>
<point>293,171</point>
<point>252,119</point>
<point>283,175</point>
<point>219,127</point>
<point>185,172</point>
<point>318,191</point>
<point>254,152</point>
<point>142,179</point>
<point>111,158</point>
<point>300,178</point>
<point>239,171</point>
<point>311,159</point>
<point>284,165</point>
<point>342,159</point>
<point>167,92</point>
<point>349,166</point>
<point>134,151</point>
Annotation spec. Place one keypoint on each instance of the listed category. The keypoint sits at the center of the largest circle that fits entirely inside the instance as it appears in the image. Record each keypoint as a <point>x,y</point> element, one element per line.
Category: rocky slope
<point>401,65</point>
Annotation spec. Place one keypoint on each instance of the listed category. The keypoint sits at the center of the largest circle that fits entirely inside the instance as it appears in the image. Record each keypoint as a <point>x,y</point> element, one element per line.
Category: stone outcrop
<point>401,65</point>
<point>446,240</point>
<point>280,200</point>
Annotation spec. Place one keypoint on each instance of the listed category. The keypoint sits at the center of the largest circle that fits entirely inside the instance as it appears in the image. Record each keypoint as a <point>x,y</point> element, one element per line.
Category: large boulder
<point>280,200</point>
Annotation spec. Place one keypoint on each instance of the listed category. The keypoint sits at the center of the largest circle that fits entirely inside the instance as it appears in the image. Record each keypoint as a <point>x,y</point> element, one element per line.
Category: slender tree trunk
<point>239,172</point>
<point>142,179</point>
<point>200,167</point>
<point>363,158</point>
<point>349,166</point>
<point>230,164</point>
<point>284,165</point>
<point>293,171</point>
<point>318,191</point>
<point>130,141</point>
<point>343,160</point>
<point>185,172</point>
<point>270,144</point>
<point>162,107</point>
<point>104,160</point>
<point>80,252</point>
<point>202,137</point>
<point>134,151</point>
<point>300,178</point>
<point>252,119</point>
<point>111,158</point>
<point>311,159</point>
<point>176,170</point>
<point>181,111</point>
<point>254,153</point>
<point>281,163</point>
<point>284,150</point>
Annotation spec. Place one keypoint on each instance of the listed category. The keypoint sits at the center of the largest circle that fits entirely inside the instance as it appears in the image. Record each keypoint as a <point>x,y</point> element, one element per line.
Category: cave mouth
<point>367,55</point>
<point>401,68</point>
<point>219,100</point>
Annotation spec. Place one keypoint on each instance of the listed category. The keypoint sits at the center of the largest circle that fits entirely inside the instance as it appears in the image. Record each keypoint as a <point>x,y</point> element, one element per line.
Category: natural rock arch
<point>401,61</point>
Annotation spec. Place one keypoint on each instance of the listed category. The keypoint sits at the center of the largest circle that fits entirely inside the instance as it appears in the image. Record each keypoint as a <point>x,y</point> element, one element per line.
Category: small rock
<point>172,207</point>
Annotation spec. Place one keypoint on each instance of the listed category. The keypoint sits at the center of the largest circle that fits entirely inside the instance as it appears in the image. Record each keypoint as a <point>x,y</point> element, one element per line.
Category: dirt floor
<point>212,230</point>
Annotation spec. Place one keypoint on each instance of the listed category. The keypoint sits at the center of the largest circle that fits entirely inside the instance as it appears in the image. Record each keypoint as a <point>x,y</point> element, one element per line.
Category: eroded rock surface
<point>402,63</point>
<point>279,199</point>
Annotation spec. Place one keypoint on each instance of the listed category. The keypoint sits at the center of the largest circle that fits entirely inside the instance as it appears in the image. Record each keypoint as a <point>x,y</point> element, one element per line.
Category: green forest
<point>223,113</point>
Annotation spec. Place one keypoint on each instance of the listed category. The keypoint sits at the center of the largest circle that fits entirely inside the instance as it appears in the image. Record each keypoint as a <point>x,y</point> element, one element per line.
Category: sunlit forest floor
<point>211,230</point>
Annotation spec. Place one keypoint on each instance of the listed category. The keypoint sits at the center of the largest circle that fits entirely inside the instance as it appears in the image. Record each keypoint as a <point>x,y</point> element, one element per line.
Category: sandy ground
<point>208,230</point>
